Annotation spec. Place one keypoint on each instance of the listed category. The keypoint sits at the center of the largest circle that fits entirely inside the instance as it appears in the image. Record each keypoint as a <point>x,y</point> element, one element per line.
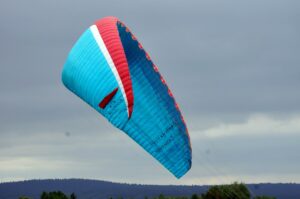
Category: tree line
<point>232,191</point>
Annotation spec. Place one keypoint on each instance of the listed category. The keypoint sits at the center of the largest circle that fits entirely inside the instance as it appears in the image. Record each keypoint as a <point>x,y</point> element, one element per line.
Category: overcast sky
<point>233,66</point>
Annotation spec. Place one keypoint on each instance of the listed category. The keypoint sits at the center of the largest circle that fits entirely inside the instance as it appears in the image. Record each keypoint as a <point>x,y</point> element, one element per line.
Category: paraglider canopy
<point>110,70</point>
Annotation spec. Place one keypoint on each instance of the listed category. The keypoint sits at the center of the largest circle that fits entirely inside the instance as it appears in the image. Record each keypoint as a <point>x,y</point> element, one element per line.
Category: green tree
<point>44,195</point>
<point>73,196</point>
<point>54,195</point>
<point>161,196</point>
<point>264,197</point>
<point>195,196</point>
<point>24,197</point>
<point>233,191</point>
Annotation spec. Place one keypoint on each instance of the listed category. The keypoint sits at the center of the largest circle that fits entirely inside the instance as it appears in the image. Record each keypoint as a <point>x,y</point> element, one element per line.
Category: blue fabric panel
<point>155,123</point>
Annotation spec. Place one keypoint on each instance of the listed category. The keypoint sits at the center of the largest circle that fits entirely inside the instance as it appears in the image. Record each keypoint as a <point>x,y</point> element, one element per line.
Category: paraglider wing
<point>109,69</point>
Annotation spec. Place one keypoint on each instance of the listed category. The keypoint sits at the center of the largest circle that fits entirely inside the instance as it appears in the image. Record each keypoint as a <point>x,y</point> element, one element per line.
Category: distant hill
<point>96,189</point>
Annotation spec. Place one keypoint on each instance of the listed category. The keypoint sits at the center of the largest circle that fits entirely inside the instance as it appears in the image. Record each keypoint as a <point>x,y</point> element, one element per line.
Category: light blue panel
<point>87,74</point>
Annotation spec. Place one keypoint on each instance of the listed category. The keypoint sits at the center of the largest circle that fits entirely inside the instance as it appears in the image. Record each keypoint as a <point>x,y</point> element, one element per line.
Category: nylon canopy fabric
<point>109,69</point>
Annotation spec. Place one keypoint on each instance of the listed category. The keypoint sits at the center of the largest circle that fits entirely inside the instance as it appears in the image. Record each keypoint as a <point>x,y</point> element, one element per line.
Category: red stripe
<point>109,32</point>
<point>108,98</point>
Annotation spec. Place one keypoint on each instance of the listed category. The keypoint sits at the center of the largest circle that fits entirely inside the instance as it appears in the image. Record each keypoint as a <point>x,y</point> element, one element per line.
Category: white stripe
<point>109,60</point>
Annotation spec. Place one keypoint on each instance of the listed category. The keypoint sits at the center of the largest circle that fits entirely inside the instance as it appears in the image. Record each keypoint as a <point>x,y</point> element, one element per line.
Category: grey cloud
<point>224,61</point>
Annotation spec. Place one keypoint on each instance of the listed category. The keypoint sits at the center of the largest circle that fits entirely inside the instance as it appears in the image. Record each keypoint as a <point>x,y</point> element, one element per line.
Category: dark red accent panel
<point>107,99</point>
<point>109,32</point>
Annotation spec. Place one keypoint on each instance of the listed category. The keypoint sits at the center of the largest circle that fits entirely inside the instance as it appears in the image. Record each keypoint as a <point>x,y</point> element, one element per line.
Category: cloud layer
<point>233,67</point>
<point>256,125</point>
